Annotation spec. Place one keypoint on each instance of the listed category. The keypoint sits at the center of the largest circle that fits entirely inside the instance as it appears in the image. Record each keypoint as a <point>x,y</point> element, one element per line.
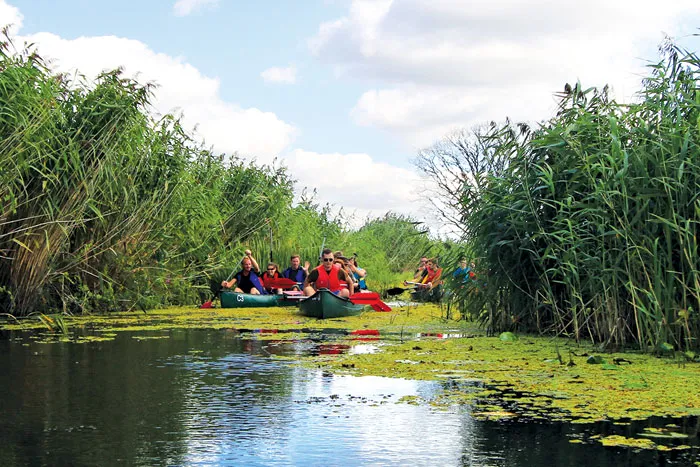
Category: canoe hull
<point>323,305</point>
<point>243,300</point>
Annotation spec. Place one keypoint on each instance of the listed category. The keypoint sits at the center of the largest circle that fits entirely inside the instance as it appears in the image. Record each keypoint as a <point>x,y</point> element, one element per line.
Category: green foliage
<point>103,208</point>
<point>591,228</point>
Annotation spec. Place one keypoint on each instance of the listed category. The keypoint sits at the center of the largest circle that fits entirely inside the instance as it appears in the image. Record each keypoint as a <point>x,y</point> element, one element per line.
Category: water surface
<point>213,397</point>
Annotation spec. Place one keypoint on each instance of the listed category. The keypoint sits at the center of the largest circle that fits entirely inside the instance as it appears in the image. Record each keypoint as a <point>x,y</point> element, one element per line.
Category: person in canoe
<point>429,287</point>
<point>421,270</point>
<point>247,279</point>
<point>326,276</point>
<point>358,273</point>
<point>462,271</point>
<point>295,272</point>
<point>271,273</point>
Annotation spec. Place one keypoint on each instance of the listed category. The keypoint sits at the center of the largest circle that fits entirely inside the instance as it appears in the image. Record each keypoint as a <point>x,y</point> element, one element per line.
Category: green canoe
<point>324,304</point>
<point>243,300</point>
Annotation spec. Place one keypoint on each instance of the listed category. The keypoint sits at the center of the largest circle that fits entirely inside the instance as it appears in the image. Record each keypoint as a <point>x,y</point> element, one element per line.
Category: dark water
<point>203,397</point>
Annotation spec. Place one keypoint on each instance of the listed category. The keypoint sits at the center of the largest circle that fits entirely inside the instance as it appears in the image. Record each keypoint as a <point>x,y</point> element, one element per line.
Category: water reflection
<point>215,398</point>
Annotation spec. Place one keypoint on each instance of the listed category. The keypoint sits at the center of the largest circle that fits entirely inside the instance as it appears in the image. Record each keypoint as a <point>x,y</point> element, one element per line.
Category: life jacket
<point>266,276</point>
<point>255,279</point>
<point>432,276</point>
<point>297,276</point>
<point>360,281</point>
<point>326,280</point>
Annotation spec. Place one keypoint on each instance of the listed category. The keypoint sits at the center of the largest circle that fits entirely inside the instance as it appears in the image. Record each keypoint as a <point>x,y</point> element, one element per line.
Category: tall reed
<point>591,230</point>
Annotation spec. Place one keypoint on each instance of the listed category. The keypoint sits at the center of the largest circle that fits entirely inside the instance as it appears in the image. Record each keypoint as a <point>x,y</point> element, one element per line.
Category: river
<point>218,397</point>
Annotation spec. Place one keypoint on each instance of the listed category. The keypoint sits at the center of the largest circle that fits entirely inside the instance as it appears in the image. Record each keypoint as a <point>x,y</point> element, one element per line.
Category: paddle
<point>280,283</point>
<point>364,298</point>
<point>398,290</point>
<point>209,303</point>
<point>371,299</point>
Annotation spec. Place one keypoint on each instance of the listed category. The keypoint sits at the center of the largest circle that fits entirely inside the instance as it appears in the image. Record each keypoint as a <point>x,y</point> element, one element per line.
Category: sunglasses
<point>270,269</point>
<point>327,260</point>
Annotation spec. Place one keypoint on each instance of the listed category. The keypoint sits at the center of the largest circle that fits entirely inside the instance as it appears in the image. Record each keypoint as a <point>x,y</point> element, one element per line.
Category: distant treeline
<point>586,226</point>
<point>103,208</point>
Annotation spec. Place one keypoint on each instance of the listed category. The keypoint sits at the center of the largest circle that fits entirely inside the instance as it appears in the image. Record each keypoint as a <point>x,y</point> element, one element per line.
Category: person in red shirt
<point>327,277</point>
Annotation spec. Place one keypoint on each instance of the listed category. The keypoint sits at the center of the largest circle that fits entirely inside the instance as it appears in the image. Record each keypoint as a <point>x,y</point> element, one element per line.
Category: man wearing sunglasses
<point>327,277</point>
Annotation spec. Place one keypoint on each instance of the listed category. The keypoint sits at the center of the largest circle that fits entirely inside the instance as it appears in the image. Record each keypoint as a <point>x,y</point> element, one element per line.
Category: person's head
<point>338,263</point>
<point>432,263</point>
<point>353,261</point>
<point>246,264</point>
<point>295,261</point>
<point>463,264</point>
<point>423,261</point>
<point>271,268</point>
<point>327,259</point>
<point>472,265</point>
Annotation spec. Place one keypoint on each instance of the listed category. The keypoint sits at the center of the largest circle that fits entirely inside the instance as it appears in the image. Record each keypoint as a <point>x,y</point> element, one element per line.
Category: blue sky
<point>354,88</point>
<point>236,41</point>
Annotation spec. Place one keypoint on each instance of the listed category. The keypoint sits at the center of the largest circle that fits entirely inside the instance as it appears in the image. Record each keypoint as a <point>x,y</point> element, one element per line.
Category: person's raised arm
<point>256,268</point>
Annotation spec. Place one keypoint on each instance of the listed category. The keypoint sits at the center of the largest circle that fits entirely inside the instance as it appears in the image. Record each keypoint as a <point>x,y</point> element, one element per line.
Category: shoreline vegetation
<point>584,227</point>
<point>105,208</point>
<point>587,225</point>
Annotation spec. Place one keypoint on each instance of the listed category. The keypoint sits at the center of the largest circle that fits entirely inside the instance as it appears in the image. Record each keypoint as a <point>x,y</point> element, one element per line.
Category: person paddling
<point>246,280</point>
<point>328,277</point>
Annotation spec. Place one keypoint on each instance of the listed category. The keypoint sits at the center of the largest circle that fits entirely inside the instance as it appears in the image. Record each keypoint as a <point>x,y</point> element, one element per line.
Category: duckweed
<point>536,378</point>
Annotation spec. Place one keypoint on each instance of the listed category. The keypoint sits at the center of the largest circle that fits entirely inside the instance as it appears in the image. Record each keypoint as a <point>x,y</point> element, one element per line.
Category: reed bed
<point>591,229</point>
<point>104,208</point>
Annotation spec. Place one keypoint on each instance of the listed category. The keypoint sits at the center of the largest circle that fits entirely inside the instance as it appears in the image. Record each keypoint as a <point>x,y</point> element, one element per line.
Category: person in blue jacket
<point>295,272</point>
<point>462,271</point>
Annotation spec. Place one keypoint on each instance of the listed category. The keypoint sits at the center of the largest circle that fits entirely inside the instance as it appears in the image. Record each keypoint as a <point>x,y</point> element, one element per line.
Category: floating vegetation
<point>528,378</point>
<point>636,443</point>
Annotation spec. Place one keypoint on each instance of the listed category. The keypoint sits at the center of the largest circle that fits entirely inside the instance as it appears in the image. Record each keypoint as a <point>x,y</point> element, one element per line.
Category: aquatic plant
<point>589,228</point>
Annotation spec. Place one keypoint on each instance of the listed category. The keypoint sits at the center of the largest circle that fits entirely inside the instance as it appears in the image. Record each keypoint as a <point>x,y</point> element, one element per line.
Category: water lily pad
<point>508,337</point>
<point>595,360</point>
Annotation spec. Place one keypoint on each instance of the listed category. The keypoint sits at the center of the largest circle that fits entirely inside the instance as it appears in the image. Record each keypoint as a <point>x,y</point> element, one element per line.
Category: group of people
<point>341,275</point>
<point>427,278</point>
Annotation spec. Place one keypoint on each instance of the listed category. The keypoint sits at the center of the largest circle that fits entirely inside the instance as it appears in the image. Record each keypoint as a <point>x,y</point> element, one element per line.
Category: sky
<point>346,92</point>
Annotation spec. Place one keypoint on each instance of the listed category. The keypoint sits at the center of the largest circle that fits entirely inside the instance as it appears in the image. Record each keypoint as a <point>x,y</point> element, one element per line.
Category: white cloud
<point>280,75</point>
<point>10,16</point>
<point>181,87</point>
<point>357,183</point>
<point>443,64</point>
<point>185,7</point>
<point>361,185</point>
